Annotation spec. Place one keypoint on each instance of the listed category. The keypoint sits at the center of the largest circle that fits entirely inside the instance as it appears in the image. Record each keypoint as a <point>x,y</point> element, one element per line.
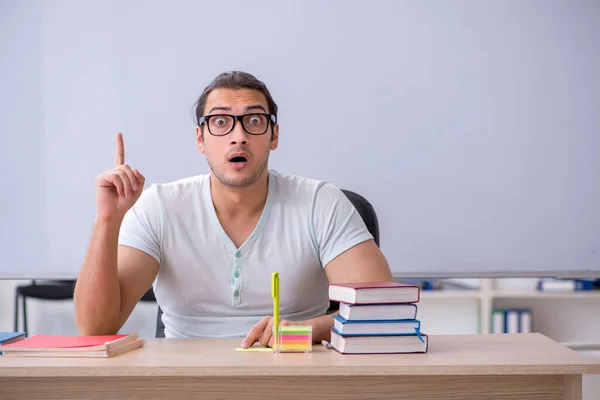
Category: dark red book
<point>374,293</point>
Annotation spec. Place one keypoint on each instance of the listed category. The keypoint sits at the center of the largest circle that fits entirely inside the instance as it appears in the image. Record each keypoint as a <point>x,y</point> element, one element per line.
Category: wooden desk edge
<point>228,371</point>
<point>161,358</point>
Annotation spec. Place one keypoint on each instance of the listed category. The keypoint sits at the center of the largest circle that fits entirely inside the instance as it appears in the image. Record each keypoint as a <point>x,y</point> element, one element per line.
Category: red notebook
<point>374,293</point>
<point>74,346</point>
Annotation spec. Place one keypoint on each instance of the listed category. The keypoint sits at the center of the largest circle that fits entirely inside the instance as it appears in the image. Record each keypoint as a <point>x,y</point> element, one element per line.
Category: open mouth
<point>238,162</point>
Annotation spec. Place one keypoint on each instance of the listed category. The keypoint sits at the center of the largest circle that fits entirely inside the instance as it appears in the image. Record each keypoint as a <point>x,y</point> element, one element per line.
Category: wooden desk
<point>523,366</point>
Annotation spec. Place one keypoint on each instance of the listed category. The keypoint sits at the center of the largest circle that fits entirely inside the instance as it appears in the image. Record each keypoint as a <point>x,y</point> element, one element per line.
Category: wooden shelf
<point>449,294</point>
<point>491,293</point>
<point>508,294</point>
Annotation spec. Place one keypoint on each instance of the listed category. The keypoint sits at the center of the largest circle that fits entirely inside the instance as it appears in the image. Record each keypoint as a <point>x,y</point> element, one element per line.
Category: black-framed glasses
<point>222,124</point>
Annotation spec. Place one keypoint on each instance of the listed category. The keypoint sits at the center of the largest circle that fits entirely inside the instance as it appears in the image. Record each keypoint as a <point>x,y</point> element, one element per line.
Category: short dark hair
<point>235,80</point>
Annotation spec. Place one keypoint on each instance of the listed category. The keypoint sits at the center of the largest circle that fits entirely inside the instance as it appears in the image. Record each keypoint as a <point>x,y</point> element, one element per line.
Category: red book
<point>374,293</point>
<point>73,346</point>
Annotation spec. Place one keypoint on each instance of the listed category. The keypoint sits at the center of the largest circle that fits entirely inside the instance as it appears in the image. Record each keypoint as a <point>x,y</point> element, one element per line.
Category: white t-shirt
<point>207,287</point>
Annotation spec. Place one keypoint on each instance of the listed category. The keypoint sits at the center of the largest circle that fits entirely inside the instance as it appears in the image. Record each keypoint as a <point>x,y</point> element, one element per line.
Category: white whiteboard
<point>473,127</point>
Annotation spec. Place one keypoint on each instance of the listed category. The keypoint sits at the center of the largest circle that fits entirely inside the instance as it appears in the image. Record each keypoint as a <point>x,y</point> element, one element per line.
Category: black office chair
<point>148,296</point>
<point>48,290</point>
<point>160,327</point>
<point>366,211</point>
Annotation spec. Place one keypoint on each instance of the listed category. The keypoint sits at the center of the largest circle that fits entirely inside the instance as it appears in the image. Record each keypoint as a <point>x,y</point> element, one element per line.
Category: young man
<point>209,243</point>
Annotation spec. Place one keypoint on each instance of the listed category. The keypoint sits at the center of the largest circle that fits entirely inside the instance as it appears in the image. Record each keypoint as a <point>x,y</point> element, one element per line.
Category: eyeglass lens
<point>223,124</point>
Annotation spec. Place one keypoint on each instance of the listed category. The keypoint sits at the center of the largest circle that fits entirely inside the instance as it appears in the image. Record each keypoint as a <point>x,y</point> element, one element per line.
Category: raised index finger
<point>120,155</point>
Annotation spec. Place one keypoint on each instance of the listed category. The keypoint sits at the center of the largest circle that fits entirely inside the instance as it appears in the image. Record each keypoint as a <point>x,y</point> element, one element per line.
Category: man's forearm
<point>97,292</point>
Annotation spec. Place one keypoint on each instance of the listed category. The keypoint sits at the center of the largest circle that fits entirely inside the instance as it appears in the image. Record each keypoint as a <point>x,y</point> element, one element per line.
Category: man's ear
<point>200,139</point>
<point>275,136</point>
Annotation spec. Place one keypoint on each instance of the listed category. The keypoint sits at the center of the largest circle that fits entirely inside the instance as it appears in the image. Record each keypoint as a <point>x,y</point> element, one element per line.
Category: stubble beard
<point>238,182</point>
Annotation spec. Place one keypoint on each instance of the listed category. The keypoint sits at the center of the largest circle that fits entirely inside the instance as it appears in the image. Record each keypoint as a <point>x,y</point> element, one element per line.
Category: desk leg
<point>572,387</point>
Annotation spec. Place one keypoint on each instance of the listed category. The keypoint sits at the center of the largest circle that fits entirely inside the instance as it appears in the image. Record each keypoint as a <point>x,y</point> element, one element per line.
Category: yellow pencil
<point>275,295</point>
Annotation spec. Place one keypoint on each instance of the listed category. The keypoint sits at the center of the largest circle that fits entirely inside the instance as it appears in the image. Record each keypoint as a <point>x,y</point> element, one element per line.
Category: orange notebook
<point>73,346</point>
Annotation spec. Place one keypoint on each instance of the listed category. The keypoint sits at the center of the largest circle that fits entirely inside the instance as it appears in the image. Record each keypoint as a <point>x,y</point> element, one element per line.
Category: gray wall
<point>472,126</point>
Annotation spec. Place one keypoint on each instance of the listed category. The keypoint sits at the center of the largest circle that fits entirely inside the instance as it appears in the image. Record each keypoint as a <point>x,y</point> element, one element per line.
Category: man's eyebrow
<point>219,108</point>
<point>248,108</point>
<point>255,106</point>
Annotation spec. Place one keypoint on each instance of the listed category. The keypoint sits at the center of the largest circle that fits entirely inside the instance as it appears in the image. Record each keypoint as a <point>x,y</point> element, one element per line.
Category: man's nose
<point>238,135</point>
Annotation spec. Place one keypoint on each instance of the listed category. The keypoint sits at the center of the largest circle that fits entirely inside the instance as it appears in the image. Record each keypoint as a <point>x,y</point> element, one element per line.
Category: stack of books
<point>379,317</point>
<point>72,346</point>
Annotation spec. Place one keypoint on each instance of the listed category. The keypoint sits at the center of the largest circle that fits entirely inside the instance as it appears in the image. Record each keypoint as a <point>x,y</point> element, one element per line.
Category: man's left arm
<point>347,252</point>
<point>361,263</point>
<point>346,248</point>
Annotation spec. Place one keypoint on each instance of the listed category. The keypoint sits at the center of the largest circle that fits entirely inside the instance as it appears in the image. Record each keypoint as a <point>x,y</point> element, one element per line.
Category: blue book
<point>10,337</point>
<point>376,327</point>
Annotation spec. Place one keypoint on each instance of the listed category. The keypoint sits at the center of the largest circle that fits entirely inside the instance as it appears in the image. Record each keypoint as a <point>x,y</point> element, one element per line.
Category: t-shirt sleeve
<point>142,225</point>
<point>337,226</point>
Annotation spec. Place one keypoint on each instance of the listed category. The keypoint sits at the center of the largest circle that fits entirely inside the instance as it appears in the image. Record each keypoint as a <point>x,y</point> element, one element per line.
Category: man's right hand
<point>118,189</point>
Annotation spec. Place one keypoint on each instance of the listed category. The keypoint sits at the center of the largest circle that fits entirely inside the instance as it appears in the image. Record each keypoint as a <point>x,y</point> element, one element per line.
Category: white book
<point>525,321</point>
<point>354,312</point>
<point>498,321</point>
<point>512,321</point>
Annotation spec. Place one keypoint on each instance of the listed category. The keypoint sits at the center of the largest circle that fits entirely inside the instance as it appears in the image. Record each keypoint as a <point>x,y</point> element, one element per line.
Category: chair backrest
<point>366,211</point>
<point>369,216</point>
<point>160,327</point>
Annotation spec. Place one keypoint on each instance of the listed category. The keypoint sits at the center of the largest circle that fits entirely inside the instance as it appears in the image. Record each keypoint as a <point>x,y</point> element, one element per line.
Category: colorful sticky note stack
<point>296,338</point>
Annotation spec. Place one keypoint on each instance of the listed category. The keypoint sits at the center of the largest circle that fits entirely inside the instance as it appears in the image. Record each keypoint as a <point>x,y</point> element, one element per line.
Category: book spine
<point>497,321</point>
<point>513,320</point>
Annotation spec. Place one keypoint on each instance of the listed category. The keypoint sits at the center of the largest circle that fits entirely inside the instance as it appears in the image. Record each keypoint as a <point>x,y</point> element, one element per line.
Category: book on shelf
<point>512,320</point>
<point>443,284</point>
<point>10,337</point>
<point>374,293</point>
<point>377,311</point>
<point>376,317</point>
<point>567,285</point>
<point>379,344</point>
<point>73,346</point>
